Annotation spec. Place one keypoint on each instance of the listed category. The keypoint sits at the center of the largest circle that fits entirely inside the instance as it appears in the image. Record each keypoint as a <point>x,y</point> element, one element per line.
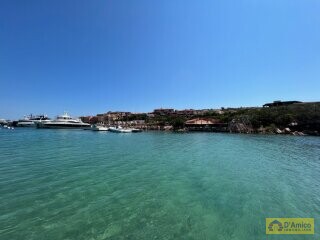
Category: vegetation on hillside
<point>299,117</point>
<point>307,117</point>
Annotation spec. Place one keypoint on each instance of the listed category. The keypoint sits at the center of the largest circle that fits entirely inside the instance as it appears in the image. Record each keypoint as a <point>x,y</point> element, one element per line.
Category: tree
<point>177,123</point>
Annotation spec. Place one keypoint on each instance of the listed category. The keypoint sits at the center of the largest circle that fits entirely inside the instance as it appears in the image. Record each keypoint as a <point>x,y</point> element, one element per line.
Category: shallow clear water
<point>60,184</point>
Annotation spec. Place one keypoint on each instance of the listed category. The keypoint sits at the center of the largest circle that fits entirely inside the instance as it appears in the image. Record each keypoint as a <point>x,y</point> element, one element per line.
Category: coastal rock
<point>241,124</point>
<point>168,128</point>
<point>277,131</point>
<point>261,130</point>
<point>296,133</point>
<point>287,130</point>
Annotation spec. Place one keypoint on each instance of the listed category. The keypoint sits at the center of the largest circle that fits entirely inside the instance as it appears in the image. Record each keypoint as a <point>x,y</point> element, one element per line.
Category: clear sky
<point>89,57</point>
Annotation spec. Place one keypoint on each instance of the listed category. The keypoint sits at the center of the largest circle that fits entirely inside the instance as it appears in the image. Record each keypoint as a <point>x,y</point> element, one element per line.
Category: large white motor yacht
<point>31,120</point>
<point>3,122</point>
<point>64,121</point>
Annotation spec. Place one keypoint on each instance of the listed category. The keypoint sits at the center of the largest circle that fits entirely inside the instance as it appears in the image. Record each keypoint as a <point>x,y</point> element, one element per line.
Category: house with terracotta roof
<point>202,124</point>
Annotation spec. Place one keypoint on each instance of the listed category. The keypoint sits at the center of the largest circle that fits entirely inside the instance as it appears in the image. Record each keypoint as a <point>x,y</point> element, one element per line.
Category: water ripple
<point>84,185</point>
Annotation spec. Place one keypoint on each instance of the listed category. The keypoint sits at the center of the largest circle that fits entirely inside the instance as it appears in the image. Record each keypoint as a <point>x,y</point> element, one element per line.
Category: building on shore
<point>90,119</point>
<point>133,123</point>
<point>111,117</point>
<point>280,103</point>
<point>210,125</point>
<point>163,111</point>
<point>184,112</point>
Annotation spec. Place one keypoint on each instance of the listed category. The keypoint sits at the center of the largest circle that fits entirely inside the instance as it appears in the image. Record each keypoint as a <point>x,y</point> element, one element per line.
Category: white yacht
<point>30,120</point>
<point>64,121</point>
<point>25,122</point>
<point>3,121</point>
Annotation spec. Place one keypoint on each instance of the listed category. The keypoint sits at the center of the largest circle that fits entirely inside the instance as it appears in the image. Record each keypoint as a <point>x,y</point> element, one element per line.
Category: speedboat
<point>64,121</point>
<point>119,129</point>
<point>136,130</point>
<point>99,128</point>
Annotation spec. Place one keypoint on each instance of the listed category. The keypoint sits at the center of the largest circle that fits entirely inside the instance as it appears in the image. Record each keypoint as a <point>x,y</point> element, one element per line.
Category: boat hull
<point>100,129</point>
<point>31,124</point>
<point>63,126</point>
<point>119,130</point>
<point>135,130</point>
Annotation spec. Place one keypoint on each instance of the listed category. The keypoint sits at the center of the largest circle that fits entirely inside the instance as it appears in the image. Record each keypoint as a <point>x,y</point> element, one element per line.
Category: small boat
<point>120,129</point>
<point>99,128</point>
<point>136,130</point>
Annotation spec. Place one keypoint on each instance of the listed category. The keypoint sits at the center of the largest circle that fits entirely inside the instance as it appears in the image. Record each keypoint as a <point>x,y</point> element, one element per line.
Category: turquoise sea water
<point>60,184</point>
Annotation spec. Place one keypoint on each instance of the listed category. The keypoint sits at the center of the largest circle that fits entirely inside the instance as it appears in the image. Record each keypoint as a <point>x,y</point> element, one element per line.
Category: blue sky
<point>89,57</point>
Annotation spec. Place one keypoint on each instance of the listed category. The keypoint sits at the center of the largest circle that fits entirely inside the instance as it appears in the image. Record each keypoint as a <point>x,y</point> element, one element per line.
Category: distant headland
<point>278,117</point>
